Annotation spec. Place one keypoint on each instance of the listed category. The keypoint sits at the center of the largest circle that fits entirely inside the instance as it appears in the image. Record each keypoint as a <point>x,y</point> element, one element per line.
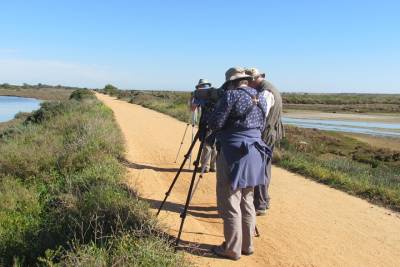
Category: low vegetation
<point>340,99</point>
<point>62,199</point>
<point>358,103</point>
<point>39,91</point>
<point>350,103</point>
<point>328,157</point>
<point>344,163</point>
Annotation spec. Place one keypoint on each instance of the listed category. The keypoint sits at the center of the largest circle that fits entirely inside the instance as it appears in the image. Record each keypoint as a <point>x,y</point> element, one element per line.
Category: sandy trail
<point>309,224</point>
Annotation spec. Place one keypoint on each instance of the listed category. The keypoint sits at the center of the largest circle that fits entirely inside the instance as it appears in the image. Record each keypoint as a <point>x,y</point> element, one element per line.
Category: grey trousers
<point>208,156</point>
<point>261,196</point>
<point>237,211</point>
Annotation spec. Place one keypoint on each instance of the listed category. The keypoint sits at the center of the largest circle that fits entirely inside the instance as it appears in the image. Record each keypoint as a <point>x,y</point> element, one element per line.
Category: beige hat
<point>253,72</point>
<point>234,74</point>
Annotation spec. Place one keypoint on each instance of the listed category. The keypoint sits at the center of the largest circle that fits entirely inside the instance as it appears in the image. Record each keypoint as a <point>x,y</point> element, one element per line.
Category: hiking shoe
<point>199,170</point>
<point>247,253</point>
<point>213,170</point>
<point>261,212</point>
<point>220,251</point>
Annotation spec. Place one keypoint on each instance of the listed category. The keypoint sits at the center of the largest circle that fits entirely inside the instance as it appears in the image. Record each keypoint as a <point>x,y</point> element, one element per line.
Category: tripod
<point>191,191</point>
<point>192,121</point>
<point>183,138</point>
<point>188,198</point>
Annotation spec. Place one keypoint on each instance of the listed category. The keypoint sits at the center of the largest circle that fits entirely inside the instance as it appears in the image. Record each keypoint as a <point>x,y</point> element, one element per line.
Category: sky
<point>302,46</point>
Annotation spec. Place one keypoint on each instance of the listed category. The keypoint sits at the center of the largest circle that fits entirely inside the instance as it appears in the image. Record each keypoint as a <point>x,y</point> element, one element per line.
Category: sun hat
<point>253,72</point>
<point>203,83</point>
<point>234,74</point>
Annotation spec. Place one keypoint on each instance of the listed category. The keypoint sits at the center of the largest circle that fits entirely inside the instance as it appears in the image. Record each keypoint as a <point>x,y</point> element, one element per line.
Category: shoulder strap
<point>256,102</point>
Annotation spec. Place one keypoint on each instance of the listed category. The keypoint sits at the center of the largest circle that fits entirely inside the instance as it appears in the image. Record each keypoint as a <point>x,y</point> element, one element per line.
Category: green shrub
<point>82,94</point>
<point>126,250</point>
<point>49,110</point>
<point>110,89</point>
<point>60,184</point>
<point>20,220</point>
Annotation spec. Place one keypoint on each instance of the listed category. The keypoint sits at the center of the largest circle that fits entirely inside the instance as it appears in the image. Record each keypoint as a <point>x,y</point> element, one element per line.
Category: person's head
<point>203,84</point>
<point>236,77</point>
<point>257,77</point>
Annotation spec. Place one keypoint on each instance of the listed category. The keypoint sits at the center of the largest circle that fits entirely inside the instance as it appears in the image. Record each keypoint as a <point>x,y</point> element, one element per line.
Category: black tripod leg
<point>183,214</point>
<point>179,171</point>
<point>257,232</point>
<point>180,146</point>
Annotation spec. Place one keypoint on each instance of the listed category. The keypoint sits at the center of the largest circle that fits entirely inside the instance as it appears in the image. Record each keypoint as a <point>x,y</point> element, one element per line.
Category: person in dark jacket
<point>209,152</point>
<point>271,135</point>
<point>238,121</point>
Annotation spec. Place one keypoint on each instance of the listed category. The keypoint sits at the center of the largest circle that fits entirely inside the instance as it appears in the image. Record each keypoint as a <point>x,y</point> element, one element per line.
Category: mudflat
<point>364,117</point>
<point>377,141</point>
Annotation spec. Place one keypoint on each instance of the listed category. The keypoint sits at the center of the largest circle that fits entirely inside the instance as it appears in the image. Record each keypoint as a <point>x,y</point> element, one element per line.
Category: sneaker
<point>220,251</point>
<point>199,170</point>
<point>247,253</point>
<point>213,170</point>
<point>261,212</point>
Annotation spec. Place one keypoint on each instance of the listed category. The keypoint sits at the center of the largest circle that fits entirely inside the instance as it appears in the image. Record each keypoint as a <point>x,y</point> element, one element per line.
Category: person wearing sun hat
<point>209,152</point>
<point>272,133</point>
<point>238,121</point>
<point>202,84</point>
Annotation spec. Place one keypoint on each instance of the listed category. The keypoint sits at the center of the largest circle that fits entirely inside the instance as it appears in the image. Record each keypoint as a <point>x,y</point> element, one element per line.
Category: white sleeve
<point>270,100</point>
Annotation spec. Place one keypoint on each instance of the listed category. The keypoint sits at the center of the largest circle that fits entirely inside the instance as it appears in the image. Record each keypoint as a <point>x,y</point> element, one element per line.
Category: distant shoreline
<point>29,97</point>
<point>365,117</point>
<point>42,94</point>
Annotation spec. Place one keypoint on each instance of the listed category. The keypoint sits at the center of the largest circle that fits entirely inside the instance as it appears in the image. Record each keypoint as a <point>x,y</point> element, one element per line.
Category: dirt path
<point>309,224</point>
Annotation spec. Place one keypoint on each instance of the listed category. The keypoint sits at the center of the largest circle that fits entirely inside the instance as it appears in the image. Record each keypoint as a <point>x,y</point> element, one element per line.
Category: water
<point>371,128</point>
<point>11,105</point>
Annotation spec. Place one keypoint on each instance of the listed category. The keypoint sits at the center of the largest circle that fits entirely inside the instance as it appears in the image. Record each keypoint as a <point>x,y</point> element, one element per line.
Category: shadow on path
<point>138,166</point>
<point>194,248</point>
<point>195,211</point>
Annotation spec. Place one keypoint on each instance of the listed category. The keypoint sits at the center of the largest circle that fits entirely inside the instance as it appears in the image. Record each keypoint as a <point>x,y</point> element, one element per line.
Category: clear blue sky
<point>314,46</point>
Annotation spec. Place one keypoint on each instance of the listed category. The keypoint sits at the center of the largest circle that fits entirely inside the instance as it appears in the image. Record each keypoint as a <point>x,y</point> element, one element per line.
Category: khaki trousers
<point>237,211</point>
<point>208,156</point>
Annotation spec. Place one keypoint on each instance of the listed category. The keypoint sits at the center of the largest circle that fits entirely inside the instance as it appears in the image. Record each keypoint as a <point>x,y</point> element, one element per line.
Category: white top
<point>270,100</point>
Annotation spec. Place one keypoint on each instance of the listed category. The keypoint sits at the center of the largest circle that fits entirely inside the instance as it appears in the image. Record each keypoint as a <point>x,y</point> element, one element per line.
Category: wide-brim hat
<point>203,82</point>
<point>254,72</point>
<point>234,74</point>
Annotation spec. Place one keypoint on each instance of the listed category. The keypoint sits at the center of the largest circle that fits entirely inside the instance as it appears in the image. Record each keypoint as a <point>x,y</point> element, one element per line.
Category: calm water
<point>11,105</point>
<point>371,128</point>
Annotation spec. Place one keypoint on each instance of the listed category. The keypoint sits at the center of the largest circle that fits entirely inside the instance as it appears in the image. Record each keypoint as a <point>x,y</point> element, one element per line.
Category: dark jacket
<point>273,131</point>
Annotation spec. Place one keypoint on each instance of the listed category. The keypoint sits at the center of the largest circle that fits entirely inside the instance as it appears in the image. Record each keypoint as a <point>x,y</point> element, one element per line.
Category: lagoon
<point>11,105</point>
<point>372,124</point>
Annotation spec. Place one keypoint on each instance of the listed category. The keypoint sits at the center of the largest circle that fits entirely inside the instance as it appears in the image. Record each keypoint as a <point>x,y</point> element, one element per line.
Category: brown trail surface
<point>309,224</point>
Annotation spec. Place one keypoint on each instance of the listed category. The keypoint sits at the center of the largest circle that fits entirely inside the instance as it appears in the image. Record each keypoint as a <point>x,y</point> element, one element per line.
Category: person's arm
<point>221,113</point>
<point>269,97</point>
<point>194,103</point>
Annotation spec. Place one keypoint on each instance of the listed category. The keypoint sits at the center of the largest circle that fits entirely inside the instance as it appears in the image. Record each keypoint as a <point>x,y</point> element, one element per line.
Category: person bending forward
<point>242,156</point>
